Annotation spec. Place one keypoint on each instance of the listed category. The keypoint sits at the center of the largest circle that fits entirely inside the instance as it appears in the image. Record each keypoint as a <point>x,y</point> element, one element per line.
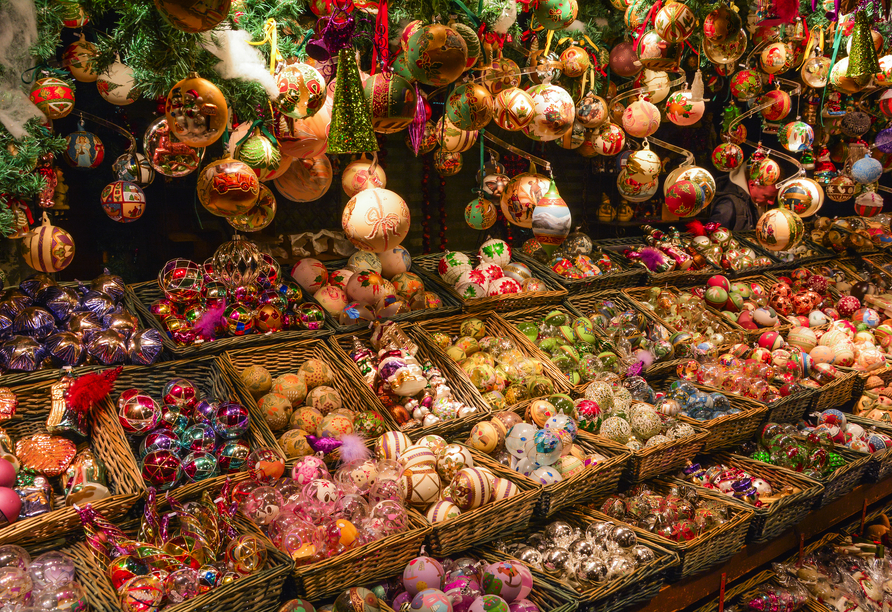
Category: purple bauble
<point>523,605</point>
<point>423,573</point>
<point>510,580</point>
<point>232,420</point>
<point>205,411</point>
<point>400,600</point>
<point>35,322</point>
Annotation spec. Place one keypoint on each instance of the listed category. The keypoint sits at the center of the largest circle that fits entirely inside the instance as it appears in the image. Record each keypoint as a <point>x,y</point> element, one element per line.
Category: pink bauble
<point>367,287</point>
<point>7,473</point>
<point>10,506</point>
<point>332,299</point>
<point>641,119</point>
<point>376,220</point>
<point>681,110</point>
<point>310,274</point>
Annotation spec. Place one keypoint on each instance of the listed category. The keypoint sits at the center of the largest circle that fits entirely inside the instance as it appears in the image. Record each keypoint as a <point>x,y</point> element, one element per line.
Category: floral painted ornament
<point>727,157</point>
<point>682,110</point>
<point>746,84</point>
<point>685,198</point>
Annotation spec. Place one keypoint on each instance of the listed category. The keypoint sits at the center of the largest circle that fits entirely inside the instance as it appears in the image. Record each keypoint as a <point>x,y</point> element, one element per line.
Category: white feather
<point>239,60</point>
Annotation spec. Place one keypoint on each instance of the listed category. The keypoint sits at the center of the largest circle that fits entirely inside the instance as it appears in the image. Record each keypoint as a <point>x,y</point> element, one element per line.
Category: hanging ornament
<point>591,110</point>
<point>609,139</point>
<point>636,14</point>
<point>436,55</point>
<point>504,74</point>
<point>84,150</point>
<point>727,157</point>
<point>572,139</point>
<point>260,152</point>
<point>724,55</point>
<point>80,59</point>
<point>682,110</point>
<point>513,109</point>
<point>884,76</point>
<point>351,128</point>
<point>657,84</point>
<point>575,61</point>
<point>841,81</point>
<point>675,22</point>
<point>764,172</point>
<point>472,41</point>
<point>494,186</point>
<point>360,171</point>
<point>193,17</point>
<point>841,188</point>
<point>777,58</point>
<point>863,62</point>
<point>868,204</point>
<point>641,118</point>
<point>746,84</point>
<point>447,163</point>
<point>196,111</point>
<point>481,214</point>
<point>555,14</point>
<point>521,195</point>
<point>306,180</point>
<point>303,138</point>
<point>123,201</point>
<point>117,84</point>
<point>643,165</point>
<point>47,248</point>
<point>855,123</point>
<point>301,90</point>
<point>53,97</point>
<point>815,71</point>
<point>260,215</point>
<point>238,263</point>
<point>633,190</point>
<point>802,195</point>
<point>780,105</point>
<point>779,230</point>
<point>867,170</point>
<point>73,15</point>
<point>624,61</point>
<point>721,23</point>
<point>19,225</point>
<point>168,155</point>
<point>452,139</point>
<point>553,113</point>
<point>698,176</point>
<point>392,102</point>
<point>376,220</point>
<point>684,198</point>
<point>655,53</point>
<point>228,187</point>
<point>428,141</point>
<point>470,106</point>
<point>796,136</point>
<point>551,219</point>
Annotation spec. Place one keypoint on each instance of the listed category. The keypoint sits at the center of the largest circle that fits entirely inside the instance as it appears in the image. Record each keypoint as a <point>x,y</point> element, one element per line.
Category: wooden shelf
<point>685,593</point>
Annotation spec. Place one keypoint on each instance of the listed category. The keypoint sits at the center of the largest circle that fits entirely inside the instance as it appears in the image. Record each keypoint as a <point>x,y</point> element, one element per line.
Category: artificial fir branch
<point>19,157</point>
<point>49,26</point>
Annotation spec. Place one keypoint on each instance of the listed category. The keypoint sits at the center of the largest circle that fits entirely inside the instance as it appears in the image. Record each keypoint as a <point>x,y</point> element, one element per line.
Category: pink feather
<point>645,357</point>
<point>652,258</point>
<point>353,448</point>
<point>208,323</point>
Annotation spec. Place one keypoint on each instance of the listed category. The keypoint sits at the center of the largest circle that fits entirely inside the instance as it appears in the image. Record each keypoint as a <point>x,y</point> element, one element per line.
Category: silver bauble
<point>556,560</point>
<point>642,554</point>
<point>623,536</point>
<point>591,570</point>
<point>582,548</point>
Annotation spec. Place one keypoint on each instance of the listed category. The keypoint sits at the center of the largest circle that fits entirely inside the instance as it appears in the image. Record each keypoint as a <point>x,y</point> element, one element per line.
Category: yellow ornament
<point>513,109</point>
<point>228,187</point>
<point>196,111</point>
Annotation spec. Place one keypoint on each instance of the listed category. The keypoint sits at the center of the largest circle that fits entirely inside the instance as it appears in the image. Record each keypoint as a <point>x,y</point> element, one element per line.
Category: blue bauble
<point>867,170</point>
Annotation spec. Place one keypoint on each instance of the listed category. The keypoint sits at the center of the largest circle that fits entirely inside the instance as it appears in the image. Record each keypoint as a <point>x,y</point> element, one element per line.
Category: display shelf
<point>684,593</point>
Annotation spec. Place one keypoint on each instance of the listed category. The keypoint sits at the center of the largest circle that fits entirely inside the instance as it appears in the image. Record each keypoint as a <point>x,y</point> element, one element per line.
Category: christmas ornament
<point>123,201</point>
<point>746,84</point>
<point>655,53</point>
<point>609,139</point>
<point>802,195</point>
<point>684,198</point>
<point>193,17</point>
<point>779,229</point>
<point>624,60</point>
<point>867,170</point>
<point>591,110</point>
<point>452,139</point>
<point>657,84</point>
<point>228,187</point>
<point>84,149</point>
<point>553,113</point>
<point>776,58</point>
<point>721,23</point>
<point>556,14</point>
<point>841,188</point>
<point>260,152</point>
<point>863,62</point>
<point>447,163</point>
<point>521,195</point>
<point>392,102</point>
<point>436,55</point>
<point>727,157</point>
<point>304,138</point>
<point>134,168</point>
<point>575,61</point>
<point>572,139</point>
<point>815,72</point>
<point>376,220</point>
<point>765,171</point>
<point>259,216</point>
<point>641,118</point>
<point>117,84</point>
<point>643,165</point>
<point>698,176</point>
<point>471,40</point>
<point>504,74</point>
<point>780,105</point>
<point>238,263</point>
<point>724,54</point>
<point>841,81</point>
<point>351,128</point>
<point>869,204</point>
<point>675,22</point>
<point>306,180</point>
<point>301,91</point>
<point>480,214</point>
<point>168,155</point>
<point>196,111</point>
<point>53,97</point>
<point>796,136</point>
<point>79,57</point>
<point>358,172</point>
<point>513,109</point>
<point>637,14</point>
<point>470,106</point>
<point>551,219</point>
<point>682,110</point>
<point>47,248</point>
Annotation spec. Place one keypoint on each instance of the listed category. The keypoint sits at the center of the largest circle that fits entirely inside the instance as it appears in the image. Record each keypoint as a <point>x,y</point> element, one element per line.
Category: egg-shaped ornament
<point>746,84</point>
<point>727,157</point>
<point>780,105</point>
<point>816,71</point>
<point>575,61</point>
<point>260,216</point>
<point>80,59</point>
<point>192,17</point>
<point>776,58</point>
<point>228,187</point>
<point>521,196</point>
<point>551,219</point>
<point>843,83</point>
<point>47,248</point>
<point>196,111</point>
<point>123,202</point>
<point>685,198</point>
<point>796,136</point>
<point>675,22</point>
<point>641,118</point>
<point>657,84</point>
<point>481,214</point>
<point>803,196</point>
<point>53,97</point>
<point>84,150</point>
<point>681,109</point>
<point>392,101</point>
<point>306,180</point>
<point>134,168</point>
<point>452,139</point>
<point>260,152</point>
<point>470,106</point>
<point>553,113</point>
<point>656,53</point>
<point>376,220</point>
<point>362,171</point>
<point>436,55</point>
<point>168,155</point>
<point>609,140</point>
<point>513,109</point>
<point>117,84</point>
<point>867,170</point>
<point>302,90</point>
<point>779,229</point>
<point>624,60</point>
<point>592,110</point>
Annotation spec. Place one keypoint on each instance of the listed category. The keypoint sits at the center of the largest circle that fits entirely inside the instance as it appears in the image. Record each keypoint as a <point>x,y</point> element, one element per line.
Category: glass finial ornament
<point>551,219</point>
<point>238,263</point>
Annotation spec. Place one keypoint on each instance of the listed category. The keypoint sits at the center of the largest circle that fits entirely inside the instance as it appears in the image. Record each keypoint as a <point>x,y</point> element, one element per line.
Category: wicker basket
<point>705,551</point>
<point>661,459</point>
<point>820,253</point>
<point>210,376</point>
<point>679,278</point>
<point>502,303</point>
<point>843,389</point>
<point>769,521</point>
<point>497,326</point>
<point>461,387</point>
<point>624,593</point>
<point>789,409</point>
<point>139,298</point>
<point>253,593</point>
<point>492,521</point>
<point>450,303</point>
<point>729,431</point>
<point>880,466</point>
<point>108,444</point>
<point>737,590</point>
<point>622,275</point>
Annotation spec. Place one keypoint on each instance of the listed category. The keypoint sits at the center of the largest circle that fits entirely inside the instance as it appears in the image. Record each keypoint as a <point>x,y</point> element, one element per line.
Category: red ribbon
<point>490,37</point>
<point>651,14</point>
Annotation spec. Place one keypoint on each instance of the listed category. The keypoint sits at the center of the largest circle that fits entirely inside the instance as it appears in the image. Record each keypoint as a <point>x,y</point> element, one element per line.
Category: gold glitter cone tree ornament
<point>863,61</point>
<point>351,128</point>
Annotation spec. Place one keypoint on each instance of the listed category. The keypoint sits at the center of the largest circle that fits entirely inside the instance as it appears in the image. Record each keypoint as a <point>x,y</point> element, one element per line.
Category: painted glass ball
<point>727,157</point>
<point>553,113</point>
<point>682,110</point>
<point>796,136</point>
<point>641,119</point>
<point>779,229</point>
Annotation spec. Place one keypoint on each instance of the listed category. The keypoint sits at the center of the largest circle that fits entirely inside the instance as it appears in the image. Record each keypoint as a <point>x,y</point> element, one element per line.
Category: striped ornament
<point>48,248</point>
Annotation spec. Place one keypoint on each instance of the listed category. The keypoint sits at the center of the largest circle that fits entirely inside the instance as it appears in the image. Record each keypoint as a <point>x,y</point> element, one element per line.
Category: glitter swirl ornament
<point>796,136</point>
<point>521,195</point>
<point>513,109</point>
<point>53,97</point>
<point>392,101</point>
<point>196,111</point>
<point>238,263</point>
<point>302,91</point>
<point>47,248</point>
<point>260,215</point>
<point>436,55</point>
<point>470,106</point>
<point>553,113</point>
<point>228,187</point>
<point>123,202</point>
<point>117,85</point>
<point>376,220</point>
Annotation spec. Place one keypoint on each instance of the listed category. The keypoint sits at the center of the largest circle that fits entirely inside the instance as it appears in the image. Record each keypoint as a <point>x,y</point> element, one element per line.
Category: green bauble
<point>556,14</point>
<point>762,455</point>
<point>835,461</point>
<point>260,153</point>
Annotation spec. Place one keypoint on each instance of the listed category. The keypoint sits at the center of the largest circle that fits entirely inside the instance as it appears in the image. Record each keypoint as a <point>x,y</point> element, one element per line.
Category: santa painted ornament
<point>777,57</point>
<point>656,53</point>
<point>376,220</point>
<point>641,118</point>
